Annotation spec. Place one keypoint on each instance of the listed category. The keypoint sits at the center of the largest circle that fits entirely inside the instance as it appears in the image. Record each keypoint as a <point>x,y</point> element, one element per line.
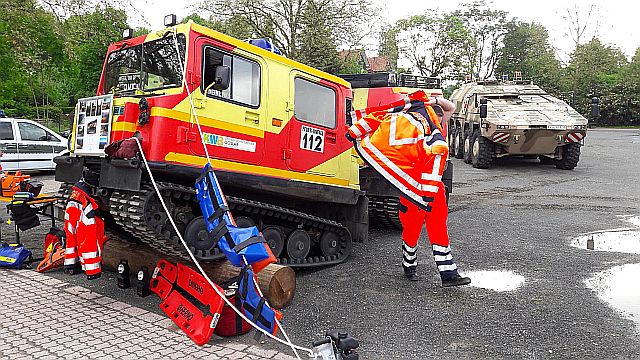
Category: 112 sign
<point>311,139</point>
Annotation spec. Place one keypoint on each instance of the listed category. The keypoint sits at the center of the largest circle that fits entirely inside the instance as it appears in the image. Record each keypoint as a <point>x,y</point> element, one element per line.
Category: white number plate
<point>311,139</point>
<point>556,127</point>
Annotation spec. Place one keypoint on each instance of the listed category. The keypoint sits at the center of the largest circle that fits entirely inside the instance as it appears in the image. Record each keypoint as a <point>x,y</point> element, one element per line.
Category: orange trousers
<point>414,218</point>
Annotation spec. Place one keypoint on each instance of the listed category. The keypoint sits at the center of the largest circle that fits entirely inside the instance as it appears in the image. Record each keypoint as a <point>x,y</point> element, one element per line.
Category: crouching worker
<point>404,142</point>
<point>84,229</point>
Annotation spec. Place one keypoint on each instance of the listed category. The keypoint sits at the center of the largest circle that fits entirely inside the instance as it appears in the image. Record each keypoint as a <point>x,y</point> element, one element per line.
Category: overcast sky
<point>617,20</point>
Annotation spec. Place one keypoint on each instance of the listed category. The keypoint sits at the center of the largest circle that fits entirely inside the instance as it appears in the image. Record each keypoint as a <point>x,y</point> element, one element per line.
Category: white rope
<point>195,261</point>
<point>195,116</point>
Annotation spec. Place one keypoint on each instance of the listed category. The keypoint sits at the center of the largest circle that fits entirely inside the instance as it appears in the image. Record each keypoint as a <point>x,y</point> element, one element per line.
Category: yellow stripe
<point>254,169</point>
<point>7,259</point>
<point>185,117</point>
<point>124,126</point>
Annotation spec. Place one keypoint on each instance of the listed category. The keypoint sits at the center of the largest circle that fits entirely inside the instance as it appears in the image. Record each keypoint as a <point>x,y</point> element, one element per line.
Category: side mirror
<point>483,108</point>
<point>222,78</point>
<point>595,107</point>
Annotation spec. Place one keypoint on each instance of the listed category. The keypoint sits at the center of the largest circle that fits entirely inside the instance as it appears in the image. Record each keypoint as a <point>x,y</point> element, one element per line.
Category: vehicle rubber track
<point>383,212</point>
<point>131,211</point>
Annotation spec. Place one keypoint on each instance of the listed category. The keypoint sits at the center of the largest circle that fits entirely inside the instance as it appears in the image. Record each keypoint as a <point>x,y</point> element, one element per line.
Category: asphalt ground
<point>518,216</point>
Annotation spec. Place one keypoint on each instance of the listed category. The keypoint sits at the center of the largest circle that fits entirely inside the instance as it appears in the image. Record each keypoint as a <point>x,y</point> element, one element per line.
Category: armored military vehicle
<point>497,118</point>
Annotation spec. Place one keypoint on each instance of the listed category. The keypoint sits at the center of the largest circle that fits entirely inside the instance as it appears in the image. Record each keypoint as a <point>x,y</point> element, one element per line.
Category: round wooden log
<point>277,282</point>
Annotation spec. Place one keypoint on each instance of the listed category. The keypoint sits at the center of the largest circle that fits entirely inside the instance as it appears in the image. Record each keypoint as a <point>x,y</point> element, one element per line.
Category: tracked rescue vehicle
<point>496,118</point>
<point>383,88</point>
<point>274,128</point>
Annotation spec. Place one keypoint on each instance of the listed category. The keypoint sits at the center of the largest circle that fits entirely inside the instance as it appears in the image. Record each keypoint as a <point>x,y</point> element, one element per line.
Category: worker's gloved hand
<point>349,137</point>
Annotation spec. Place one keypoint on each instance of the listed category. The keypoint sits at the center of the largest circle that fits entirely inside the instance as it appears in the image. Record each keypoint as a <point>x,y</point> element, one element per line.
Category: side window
<point>6,131</point>
<point>244,86</point>
<point>314,103</point>
<point>31,132</point>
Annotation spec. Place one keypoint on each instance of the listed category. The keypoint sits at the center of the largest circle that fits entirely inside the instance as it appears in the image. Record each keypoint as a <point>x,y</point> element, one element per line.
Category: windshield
<point>149,66</point>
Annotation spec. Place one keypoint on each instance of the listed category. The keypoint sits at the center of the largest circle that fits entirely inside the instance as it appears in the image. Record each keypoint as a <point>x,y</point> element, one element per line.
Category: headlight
<point>579,127</point>
<point>502,127</point>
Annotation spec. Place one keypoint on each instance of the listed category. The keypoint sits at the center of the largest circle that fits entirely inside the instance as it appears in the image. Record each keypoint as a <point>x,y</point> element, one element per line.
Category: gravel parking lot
<point>518,216</point>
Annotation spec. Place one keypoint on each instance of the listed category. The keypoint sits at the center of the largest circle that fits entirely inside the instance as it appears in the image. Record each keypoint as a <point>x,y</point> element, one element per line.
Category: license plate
<point>556,127</point>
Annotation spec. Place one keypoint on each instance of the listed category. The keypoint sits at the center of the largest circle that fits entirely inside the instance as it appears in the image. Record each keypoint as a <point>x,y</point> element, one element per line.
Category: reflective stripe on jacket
<point>84,231</point>
<point>405,145</point>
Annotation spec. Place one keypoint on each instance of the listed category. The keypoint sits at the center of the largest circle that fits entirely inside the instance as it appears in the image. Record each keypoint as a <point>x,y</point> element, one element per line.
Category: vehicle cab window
<point>314,103</point>
<point>32,132</point>
<point>6,131</point>
<point>244,86</point>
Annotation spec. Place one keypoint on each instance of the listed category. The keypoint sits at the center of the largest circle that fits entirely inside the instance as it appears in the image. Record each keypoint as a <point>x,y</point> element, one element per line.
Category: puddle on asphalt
<point>626,241</point>
<point>618,287</point>
<point>500,280</point>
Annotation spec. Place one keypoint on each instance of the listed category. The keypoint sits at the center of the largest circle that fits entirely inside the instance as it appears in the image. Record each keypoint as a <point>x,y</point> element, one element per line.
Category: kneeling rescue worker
<point>404,142</point>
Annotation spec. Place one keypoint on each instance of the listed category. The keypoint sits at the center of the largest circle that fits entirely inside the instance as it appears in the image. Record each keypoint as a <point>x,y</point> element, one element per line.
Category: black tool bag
<point>24,216</point>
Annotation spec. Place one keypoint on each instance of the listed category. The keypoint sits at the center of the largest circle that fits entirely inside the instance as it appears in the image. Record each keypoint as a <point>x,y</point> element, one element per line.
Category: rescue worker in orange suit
<point>404,142</point>
<point>84,232</point>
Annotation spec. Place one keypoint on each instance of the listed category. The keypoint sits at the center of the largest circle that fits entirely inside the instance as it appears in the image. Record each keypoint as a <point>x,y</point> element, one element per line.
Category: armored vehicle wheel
<point>570,157</point>
<point>457,143</point>
<point>275,239</point>
<point>298,244</point>
<point>545,160</point>
<point>481,151</point>
<point>467,146</point>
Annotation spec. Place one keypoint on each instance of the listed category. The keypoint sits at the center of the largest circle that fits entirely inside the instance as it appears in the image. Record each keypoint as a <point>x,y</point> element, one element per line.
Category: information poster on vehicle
<point>93,125</point>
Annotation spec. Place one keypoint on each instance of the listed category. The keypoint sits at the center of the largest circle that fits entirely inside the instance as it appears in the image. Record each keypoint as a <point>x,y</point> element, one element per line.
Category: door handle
<point>331,137</point>
<point>252,118</point>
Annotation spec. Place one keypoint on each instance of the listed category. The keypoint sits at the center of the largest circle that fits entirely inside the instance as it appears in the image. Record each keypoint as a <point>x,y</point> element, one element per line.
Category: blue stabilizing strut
<point>254,305</point>
<point>233,241</point>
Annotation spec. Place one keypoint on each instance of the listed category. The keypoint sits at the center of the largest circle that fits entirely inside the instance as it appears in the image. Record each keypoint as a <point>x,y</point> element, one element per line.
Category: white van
<point>27,145</point>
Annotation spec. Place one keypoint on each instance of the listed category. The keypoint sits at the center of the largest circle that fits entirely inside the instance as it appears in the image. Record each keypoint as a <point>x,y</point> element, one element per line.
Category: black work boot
<point>409,261</point>
<point>447,267</point>
<point>456,280</point>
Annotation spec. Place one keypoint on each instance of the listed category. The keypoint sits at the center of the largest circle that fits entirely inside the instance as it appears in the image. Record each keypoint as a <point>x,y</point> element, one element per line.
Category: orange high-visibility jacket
<point>406,145</point>
<point>84,231</point>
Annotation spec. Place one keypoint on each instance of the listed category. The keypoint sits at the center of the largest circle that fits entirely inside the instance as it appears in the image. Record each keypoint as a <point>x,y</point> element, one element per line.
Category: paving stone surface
<point>89,325</point>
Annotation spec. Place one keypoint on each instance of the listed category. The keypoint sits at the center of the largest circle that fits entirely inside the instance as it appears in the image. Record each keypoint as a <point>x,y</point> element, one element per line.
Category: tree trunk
<point>277,282</point>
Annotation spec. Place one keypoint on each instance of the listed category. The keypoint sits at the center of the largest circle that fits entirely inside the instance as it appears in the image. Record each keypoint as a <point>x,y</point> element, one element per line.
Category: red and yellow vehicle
<point>273,127</point>
<point>382,88</point>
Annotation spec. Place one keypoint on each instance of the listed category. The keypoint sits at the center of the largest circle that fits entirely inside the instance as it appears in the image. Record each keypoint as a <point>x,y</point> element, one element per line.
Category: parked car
<point>27,145</point>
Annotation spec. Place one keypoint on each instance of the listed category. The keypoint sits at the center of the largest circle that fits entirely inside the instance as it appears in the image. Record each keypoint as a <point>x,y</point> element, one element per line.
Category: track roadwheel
<point>329,243</point>
<point>481,151</point>
<point>275,239</point>
<point>298,244</point>
<point>244,222</point>
<point>570,157</point>
<point>467,146</point>
<point>199,239</point>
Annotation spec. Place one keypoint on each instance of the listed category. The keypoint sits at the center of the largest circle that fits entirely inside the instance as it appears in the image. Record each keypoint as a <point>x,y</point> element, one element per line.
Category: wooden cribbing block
<point>277,282</point>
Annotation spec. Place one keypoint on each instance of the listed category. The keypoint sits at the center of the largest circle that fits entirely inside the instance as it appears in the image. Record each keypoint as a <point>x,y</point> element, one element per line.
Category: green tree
<point>436,45</point>
<point>284,20</point>
<point>317,46</point>
<point>487,27</point>
<point>388,45</point>
<point>600,75</point>
<point>527,49</point>
<point>87,38</point>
